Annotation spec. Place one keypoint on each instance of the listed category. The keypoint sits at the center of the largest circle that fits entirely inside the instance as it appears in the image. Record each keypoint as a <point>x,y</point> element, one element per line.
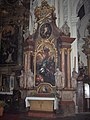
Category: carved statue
<point>30,79</point>
<point>26,33</point>
<point>22,83</point>
<point>59,79</point>
<point>65,29</point>
<point>74,79</point>
<point>9,59</point>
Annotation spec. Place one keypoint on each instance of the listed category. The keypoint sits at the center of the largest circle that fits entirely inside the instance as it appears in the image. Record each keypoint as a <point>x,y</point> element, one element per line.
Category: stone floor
<point>44,116</point>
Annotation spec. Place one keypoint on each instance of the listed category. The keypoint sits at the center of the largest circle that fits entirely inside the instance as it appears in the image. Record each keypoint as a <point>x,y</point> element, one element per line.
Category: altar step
<point>48,116</point>
<point>41,114</point>
<point>44,116</point>
<point>32,115</point>
<point>53,116</point>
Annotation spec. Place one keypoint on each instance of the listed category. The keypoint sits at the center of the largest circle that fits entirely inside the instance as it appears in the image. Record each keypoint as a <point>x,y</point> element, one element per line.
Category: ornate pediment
<point>44,11</point>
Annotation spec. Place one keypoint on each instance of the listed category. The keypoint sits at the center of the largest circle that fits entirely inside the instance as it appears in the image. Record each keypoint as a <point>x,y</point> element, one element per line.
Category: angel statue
<point>30,79</point>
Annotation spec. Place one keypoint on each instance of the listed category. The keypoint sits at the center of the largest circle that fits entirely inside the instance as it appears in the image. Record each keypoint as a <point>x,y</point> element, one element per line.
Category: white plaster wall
<point>68,13</point>
<point>82,25</point>
<point>83,33</point>
<point>76,24</point>
<point>72,21</point>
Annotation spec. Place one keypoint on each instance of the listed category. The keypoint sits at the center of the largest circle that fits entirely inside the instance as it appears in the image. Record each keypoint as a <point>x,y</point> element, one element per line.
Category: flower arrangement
<point>33,93</point>
<point>2,103</point>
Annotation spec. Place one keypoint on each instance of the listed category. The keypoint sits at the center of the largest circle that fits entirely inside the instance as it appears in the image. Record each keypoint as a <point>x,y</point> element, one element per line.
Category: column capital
<point>69,49</point>
<point>74,19</point>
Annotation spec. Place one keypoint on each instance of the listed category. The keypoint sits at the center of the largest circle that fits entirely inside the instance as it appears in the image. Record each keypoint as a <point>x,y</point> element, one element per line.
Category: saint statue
<point>21,79</point>
<point>9,59</point>
<point>74,79</point>
<point>30,79</point>
<point>59,79</point>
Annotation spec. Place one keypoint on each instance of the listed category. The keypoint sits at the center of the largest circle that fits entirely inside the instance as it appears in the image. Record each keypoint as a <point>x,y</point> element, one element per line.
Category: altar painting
<point>9,44</point>
<point>45,64</point>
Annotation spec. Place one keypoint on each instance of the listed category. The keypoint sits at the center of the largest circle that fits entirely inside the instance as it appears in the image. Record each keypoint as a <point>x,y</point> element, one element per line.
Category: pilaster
<point>69,67</point>
<point>20,47</point>
<point>61,13</point>
<point>74,52</point>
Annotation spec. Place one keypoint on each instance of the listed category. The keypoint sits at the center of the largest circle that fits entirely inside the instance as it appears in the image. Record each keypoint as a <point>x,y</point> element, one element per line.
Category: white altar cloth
<point>27,100</point>
<point>6,93</point>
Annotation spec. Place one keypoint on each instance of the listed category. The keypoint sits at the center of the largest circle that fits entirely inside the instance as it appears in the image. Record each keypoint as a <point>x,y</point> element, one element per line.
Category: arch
<point>79,4</point>
<point>45,88</point>
<point>74,6</point>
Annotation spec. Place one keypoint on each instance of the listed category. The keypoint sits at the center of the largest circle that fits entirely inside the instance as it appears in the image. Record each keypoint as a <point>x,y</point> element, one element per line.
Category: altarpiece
<point>47,55</point>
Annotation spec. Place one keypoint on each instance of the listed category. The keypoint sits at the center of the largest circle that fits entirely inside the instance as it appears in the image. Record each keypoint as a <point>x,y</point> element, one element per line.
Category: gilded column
<point>29,60</point>
<point>26,62</point>
<point>68,67</point>
<point>34,66</point>
<point>63,63</point>
<point>20,47</point>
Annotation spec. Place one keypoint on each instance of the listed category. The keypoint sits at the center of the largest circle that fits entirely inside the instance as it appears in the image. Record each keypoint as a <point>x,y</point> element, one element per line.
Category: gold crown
<point>45,10</point>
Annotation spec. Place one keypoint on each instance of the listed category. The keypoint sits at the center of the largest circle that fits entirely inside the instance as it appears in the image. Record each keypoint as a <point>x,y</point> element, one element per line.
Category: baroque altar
<point>47,56</point>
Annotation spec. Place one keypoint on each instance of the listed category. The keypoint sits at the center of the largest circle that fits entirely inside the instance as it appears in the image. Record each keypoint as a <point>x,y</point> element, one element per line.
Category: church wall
<point>66,14</point>
<point>72,22</point>
<point>82,31</point>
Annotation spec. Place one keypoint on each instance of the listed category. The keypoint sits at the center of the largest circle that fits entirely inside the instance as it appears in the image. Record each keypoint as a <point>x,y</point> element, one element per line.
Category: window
<point>87,90</point>
<point>81,12</point>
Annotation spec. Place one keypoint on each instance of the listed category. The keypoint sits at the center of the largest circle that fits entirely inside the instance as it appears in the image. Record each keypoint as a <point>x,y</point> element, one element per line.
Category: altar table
<point>48,104</point>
